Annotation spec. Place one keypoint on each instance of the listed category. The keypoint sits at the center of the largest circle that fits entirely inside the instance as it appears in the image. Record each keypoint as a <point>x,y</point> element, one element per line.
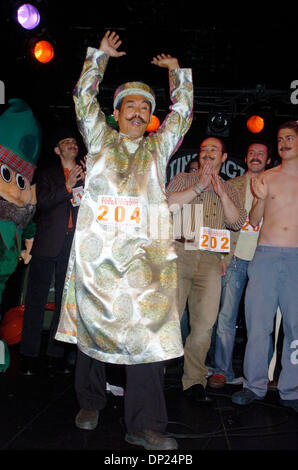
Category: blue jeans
<point>233,284</point>
<point>273,281</point>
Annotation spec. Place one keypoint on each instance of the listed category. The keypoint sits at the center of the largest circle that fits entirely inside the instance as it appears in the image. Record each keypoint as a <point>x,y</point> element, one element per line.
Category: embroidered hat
<point>134,88</point>
<point>20,138</point>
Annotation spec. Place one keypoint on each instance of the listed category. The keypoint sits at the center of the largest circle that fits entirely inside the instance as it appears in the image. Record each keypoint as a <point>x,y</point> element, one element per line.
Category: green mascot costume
<point>20,140</point>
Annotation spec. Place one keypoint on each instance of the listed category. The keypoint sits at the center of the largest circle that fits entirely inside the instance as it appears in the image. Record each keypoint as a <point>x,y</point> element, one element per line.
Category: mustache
<point>285,148</point>
<point>20,216</point>
<point>255,160</point>
<point>137,117</point>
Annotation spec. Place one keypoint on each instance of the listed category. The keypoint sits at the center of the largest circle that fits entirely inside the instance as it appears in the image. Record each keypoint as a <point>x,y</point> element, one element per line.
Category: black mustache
<point>255,160</point>
<point>137,117</point>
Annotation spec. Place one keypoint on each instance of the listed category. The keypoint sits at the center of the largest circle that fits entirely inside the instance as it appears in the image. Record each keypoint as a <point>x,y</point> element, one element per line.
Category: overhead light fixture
<point>218,124</point>
<point>28,16</point>
<point>255,124</point>
<point>43,51</point>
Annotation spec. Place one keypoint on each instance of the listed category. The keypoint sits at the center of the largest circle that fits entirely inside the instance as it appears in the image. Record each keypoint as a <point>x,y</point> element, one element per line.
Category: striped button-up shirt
<point>213,214</point>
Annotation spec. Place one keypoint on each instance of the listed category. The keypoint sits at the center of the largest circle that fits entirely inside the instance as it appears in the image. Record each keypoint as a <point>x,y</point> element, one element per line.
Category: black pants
<point>144,401</point>
<point>39,282</point>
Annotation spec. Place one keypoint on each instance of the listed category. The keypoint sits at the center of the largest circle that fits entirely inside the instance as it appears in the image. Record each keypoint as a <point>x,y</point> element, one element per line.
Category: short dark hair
<point>261,141</point>
<point>289,125</point>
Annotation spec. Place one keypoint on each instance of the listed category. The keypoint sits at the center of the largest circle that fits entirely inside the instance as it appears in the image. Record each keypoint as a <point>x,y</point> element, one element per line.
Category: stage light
<point>218,124</point>
<point>28,16</point>
<point>154,124</point>
<point>43,51</point>
<point>255,124</point>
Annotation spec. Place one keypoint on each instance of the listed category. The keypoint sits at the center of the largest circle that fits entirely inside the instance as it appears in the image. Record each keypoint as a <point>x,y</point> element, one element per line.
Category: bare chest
<point>283,190</point>
<point>281,208</point>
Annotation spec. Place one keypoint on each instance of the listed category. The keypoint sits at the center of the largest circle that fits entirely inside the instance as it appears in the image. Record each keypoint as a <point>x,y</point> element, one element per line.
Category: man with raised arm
<point>120,298</point>
<point>204,241</point>
<point>273,275</point>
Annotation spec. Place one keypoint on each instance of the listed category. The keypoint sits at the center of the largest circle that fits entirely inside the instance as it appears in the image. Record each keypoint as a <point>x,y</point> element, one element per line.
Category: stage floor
<point>38,414</point>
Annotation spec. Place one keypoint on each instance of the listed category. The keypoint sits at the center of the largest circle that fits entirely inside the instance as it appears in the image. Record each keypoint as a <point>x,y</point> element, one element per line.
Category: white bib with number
<point>247,228</point>
<point>124,211</point>
<point>217,240</point>
<point>77,194</point>
<point>210,239</point>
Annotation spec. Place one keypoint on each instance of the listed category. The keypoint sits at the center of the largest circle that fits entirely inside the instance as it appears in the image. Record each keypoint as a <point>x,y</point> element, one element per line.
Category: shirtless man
<point>273,275</point>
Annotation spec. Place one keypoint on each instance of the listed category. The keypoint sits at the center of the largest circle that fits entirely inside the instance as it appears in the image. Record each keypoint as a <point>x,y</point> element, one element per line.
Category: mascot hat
<point>20,138</point>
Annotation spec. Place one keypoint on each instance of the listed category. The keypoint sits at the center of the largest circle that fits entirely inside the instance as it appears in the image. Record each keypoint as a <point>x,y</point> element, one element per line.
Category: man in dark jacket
<point>58,191</point>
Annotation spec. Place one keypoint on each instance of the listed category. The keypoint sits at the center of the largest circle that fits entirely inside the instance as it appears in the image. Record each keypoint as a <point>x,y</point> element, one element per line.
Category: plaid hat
<point>134,88</point>
<point>20,138</point>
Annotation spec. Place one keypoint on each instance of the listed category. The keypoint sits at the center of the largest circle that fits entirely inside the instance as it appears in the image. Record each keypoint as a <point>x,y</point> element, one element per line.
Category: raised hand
<point>205,173</point>
<point>110,43</point>
<point>166,61</point>
<point>217,184</point>
<point>75,174</point>
<point>259,187</point>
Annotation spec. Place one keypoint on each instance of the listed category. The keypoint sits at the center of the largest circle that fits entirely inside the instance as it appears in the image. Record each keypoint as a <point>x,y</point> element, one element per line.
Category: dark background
<point>243,57</point>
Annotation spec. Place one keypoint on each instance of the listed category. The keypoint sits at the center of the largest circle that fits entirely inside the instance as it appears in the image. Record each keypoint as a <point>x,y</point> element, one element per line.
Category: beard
<point>20,216</point>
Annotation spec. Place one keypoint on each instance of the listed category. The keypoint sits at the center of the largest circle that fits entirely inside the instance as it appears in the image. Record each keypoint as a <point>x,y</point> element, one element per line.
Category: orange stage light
<point>43,51</point>
<point>154,124</point>
<point>255,124</point>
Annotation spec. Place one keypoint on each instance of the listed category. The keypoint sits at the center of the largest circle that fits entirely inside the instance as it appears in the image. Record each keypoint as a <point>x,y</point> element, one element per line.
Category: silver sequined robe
<point>120,296</point>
